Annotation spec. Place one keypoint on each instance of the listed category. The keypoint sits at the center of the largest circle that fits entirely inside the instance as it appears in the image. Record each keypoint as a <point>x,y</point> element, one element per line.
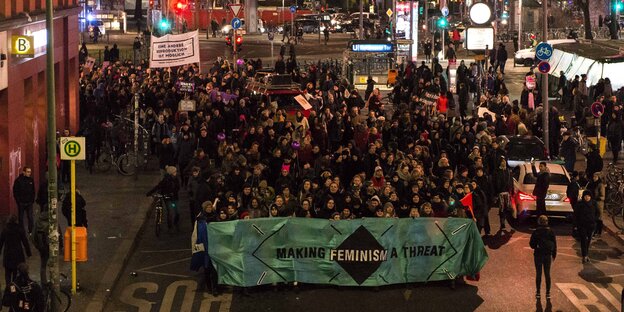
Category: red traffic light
<point>180,6</point>
<point>239,40</point>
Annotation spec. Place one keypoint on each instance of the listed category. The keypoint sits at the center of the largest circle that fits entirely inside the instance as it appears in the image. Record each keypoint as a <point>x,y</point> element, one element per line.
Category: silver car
<point>523,201</point>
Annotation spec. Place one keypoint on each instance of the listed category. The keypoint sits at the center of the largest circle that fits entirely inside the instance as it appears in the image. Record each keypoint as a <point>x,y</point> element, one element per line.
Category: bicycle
<point>53,301</point>
<point>614,204</point>
<point>160,202</point>
<point>614,174</point>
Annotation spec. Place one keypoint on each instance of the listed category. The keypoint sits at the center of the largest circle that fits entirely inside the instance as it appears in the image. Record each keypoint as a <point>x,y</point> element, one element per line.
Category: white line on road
<point>592,260</point>
<point>166,250</point>
<point>164,274</point>
<point>164,264</point>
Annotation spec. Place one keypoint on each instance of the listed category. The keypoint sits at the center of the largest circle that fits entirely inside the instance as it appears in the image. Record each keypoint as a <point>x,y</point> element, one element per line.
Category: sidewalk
<point>116,210</point>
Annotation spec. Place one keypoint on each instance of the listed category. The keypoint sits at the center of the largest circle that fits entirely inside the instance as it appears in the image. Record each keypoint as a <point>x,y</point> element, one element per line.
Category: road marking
<point>603,290</point>
<point>166,250</point>
<point>127,296</point>
<point>164,264</point>
<point>570,290</point>
<point>592,260</point>
<point>185,300</point>
<point>172,289</point>
<point>165,274</point>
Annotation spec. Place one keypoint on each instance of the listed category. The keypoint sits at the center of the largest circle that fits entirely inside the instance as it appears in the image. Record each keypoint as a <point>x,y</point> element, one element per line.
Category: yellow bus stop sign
<point>73,148</point>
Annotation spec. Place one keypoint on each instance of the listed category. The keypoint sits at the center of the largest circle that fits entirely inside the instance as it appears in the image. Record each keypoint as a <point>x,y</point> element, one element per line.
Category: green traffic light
<point>164,24</point>
<point>618,6</point>
<point>442,22</point>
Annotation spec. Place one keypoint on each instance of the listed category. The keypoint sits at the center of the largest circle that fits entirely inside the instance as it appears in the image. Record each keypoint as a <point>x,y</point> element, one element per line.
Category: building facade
<point>23,107</point>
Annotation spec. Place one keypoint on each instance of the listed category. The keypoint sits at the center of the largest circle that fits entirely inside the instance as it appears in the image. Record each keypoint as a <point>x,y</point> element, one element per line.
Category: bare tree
<point>584,6</point>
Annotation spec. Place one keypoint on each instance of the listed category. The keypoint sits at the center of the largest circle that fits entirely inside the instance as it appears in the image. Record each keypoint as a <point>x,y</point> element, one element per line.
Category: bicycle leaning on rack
<point>614,202</point>
<point>56,301</point>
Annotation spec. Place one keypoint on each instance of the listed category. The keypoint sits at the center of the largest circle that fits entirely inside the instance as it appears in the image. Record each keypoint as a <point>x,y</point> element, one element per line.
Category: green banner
<point>366,252</point>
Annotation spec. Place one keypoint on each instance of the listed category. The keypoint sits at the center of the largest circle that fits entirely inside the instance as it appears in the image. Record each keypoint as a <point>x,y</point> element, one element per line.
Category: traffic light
<point>179,6</point>
<point>442,22</point>
<point>618,6</point>
<point>164,25</point>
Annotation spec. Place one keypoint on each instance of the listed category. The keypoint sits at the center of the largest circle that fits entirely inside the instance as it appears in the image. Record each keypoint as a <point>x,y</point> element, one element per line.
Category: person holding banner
<point>199,247</point>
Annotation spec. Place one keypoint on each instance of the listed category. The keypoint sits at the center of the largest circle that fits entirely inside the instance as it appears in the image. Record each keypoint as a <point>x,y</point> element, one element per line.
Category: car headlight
<point>338,26</point>
<point>333,22</point>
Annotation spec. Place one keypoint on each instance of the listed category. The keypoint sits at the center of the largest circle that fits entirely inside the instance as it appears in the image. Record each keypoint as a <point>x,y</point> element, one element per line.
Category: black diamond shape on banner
<point>360,240</point>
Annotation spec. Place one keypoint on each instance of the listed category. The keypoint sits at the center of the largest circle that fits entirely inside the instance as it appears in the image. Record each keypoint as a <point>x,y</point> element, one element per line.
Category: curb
<point>118,263</point>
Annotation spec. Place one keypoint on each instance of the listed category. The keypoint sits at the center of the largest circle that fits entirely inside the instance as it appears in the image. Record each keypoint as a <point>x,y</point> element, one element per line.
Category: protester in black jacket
<point>502,183</point>
<point>480,208</point>
<point>567,150</point>
<point>169,187</point>
<point>586,216</point>
<point>541,186</point>
<point>544,244</point>
<point>594,161</point>
<point>24,194</point>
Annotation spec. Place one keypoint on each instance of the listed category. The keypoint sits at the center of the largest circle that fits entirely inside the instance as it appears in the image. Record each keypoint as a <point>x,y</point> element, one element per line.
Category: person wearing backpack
<point>23,294</point>
<point>544,244</point>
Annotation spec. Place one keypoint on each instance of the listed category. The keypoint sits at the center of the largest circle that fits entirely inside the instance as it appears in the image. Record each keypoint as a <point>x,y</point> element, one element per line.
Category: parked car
<point>526,57</point>
<point>523,201</point>
<point>520,149</point>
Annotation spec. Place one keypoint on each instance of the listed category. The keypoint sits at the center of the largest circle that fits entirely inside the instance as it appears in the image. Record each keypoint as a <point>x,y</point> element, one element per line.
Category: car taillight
<point>522,196</point>
<point>566,200</point>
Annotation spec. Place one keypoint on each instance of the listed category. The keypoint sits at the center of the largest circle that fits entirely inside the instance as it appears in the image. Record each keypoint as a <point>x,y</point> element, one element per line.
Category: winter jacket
<point>542,183</point>
<point>13,243</point>
<point>544,242</point>
<point>24,190</point>
<point>586,213</point>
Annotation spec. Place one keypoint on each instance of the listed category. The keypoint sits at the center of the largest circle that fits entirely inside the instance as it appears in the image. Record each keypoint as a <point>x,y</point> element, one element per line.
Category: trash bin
<point>603,144</point>
<point>392,75</point>
<point>81,244</point>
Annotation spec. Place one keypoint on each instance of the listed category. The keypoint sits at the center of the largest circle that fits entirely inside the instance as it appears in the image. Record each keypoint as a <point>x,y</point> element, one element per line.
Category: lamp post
<point>545,118</point>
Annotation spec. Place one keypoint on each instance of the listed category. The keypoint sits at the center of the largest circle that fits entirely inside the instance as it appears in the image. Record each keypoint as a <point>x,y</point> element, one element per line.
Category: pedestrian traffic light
<point>164,25</point>
<point>442,22</point>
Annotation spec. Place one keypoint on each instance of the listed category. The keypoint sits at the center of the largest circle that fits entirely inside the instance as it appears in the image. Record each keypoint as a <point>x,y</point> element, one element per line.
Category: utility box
<point>81,244</point>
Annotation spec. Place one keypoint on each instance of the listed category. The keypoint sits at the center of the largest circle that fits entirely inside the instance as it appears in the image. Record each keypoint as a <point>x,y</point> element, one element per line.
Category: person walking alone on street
<point>169,187</point>
<point>326,33</point>
<point>13,243</point>
<point>586,214</point>
<point>501,58</point>
<point>541,186</point>
<point>24,194</point>
<point>544,244</point>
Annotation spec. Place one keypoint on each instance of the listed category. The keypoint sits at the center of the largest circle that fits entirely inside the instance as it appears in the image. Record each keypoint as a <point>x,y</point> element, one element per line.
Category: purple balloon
<point>221,136</point>
<point>295,145</point>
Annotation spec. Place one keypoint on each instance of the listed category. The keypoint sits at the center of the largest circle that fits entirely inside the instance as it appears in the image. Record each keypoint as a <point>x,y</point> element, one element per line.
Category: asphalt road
<point>157,278</point>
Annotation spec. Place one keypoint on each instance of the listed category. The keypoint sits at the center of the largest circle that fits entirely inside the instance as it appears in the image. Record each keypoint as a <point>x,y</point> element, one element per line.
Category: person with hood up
<point>544,245</point>
<point>586,216</point>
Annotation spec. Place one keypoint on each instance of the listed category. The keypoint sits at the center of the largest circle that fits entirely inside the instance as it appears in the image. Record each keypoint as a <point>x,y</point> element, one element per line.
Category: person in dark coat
<point>541,186</point>
<point>615,132</point>
<point>480,208</point>
<point>501,58</point>
<point>81,212</point>
<point>544,244</point>
<point>13,244</point>
<point>502,184</point>
<point>169,187</point>
<point>166,154</point>
<point>567,150</point>
<point>586,216</point>
<point>594,161</point>
<point>199,247</point>
<point>24,194</point>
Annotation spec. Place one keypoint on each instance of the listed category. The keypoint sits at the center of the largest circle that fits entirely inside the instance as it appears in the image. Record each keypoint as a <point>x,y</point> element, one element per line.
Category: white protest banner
<point>175,50</point>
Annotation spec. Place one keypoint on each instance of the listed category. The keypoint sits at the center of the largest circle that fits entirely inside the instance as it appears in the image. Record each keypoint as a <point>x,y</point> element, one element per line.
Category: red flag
<point>467,202</point>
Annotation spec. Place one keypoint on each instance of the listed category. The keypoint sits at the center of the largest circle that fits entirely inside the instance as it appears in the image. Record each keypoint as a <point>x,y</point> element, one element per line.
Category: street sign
<point>23,46</point>
<point>445,11</point>
<point>597,109</point>
<point>293,8</point>
<point>235,8</point>
<point>73,148</point>
<point>543,51</point>
<point>389,13</point>
<point>543,67</point>
<point>236,23</point>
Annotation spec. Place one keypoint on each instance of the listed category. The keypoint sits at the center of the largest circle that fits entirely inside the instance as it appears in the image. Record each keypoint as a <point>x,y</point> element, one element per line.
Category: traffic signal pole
<point>545,117</point>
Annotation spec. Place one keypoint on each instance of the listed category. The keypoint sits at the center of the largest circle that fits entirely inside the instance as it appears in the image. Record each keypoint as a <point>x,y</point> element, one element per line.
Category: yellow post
<point>73,225</point>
